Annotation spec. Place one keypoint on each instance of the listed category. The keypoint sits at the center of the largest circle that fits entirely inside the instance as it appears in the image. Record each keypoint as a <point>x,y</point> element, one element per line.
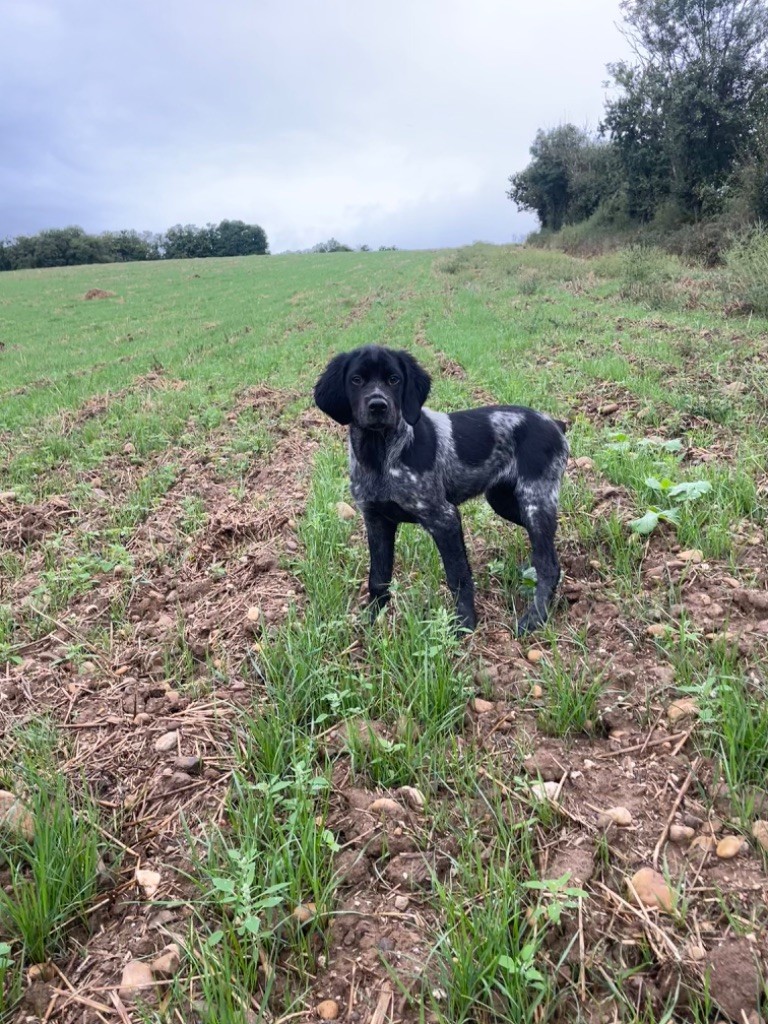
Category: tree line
<point>71,246</point>
<point>684,136</point>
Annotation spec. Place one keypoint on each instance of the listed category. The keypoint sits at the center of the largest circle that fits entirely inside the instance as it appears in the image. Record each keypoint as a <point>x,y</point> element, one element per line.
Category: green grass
<point>117,404</point>
<point>53,874</point>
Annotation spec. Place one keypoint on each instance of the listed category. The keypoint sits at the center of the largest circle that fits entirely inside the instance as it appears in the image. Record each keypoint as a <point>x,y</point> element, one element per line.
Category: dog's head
<point>373,388</point>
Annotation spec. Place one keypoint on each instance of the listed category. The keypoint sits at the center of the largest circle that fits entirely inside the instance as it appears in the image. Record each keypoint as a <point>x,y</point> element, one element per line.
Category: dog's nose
<point>377,405</point>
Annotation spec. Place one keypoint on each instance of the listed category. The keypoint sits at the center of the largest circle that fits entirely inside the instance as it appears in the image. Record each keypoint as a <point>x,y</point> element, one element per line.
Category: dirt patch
<point>98,293</point>
<point>358,311</point>
<point>23,525</point>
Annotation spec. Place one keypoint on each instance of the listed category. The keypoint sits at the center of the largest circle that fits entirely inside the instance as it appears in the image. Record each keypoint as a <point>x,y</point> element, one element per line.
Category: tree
<point>332,245</point>
<point>569,176</point>
<point>236,238</point>
<point>690,104</point>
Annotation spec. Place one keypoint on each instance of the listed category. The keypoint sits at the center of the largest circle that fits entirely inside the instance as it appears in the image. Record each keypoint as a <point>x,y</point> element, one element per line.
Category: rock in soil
<point>138,981</point>
<point>328,1009</point>
<point>543,764</point>
<point>167,964</point>
<point>681,834</point>
<point>387,807</point>
<point>729,846</point>
<point>344,510</point>
<point>734,979</point>
<point>148,881</point>
<point>15,818</point>
<point>652,890</point>
<point>617,816</point>
<point>412,796</point>
<point>760,832</point>
<point>545,791</point>
<point>166,742</point>
<point>190,764</point>
<point>686,707</point>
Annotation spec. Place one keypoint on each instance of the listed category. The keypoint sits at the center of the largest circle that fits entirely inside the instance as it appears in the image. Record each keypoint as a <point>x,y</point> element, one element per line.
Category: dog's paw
<point>531,621</point>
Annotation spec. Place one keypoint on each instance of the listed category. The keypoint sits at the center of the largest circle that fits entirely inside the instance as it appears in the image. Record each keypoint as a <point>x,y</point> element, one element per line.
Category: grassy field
<point>303,816</point>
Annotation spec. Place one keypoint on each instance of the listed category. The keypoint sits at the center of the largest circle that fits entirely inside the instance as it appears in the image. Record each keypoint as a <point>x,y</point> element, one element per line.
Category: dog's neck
<point>375,449</point>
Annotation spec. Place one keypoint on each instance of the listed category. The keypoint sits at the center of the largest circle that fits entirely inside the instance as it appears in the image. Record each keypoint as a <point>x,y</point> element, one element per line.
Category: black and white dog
<point>409,464</point>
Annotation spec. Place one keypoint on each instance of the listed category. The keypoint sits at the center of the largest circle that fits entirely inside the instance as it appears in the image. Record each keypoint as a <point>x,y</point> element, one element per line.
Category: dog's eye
<point>394,379</point>
<point>357,380</point>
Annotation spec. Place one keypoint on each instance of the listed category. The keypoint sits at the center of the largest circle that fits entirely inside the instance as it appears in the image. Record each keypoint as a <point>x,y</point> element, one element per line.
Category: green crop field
<point>227,799</point>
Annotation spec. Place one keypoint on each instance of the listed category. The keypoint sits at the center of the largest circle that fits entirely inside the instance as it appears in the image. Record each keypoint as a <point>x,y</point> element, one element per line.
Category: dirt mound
<point>98,293</point>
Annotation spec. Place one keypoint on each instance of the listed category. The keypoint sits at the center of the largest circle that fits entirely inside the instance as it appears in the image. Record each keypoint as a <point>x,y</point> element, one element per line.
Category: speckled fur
<point>514,455</point>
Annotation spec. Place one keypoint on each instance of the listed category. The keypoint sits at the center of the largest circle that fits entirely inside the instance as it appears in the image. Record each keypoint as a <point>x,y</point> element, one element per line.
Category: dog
<point>409,464</point>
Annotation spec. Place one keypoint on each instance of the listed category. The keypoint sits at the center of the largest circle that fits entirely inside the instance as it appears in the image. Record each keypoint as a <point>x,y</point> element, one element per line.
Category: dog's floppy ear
<point>416,385</point>
<point>331,391</point>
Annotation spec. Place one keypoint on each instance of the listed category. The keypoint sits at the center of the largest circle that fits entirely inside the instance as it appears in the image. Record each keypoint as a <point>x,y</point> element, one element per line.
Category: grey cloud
<point>344,118</point>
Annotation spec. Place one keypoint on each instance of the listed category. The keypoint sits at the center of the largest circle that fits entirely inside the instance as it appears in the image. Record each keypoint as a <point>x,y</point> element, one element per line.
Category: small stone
<point>387,807</point>
<point>7,495</point>
<point>760,832</point>
<point>304,913</point>
<point>190,764</point>
<point>652,890</point>
<point>584,462</point>
<point>166,742</point>
<point>536,692</point>
<point>696,951</point>
<point>401,902</point>
<point>534,655</point>
<point>344,510</point>
<point>40,972</point>
<point>608,408</point>
<point>686,707</point>
<point>167,964</point>
<point>617,815</point>
<point>412,796</point>
<point>328,1009</point>
<point>657,629</point>
<point>482,707</point>
<point>681,834</point>
<point>729,846</point>
<point>137,981</point>
<point>693,555</point>
<point>15,817</point>
<point>543,764</point>
<point>148,881</point>
<point>143,718</point>
<point>253,615</point>
<point>545,790</point>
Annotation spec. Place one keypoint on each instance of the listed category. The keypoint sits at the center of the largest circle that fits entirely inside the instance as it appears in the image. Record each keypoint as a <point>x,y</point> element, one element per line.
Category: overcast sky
<point>386,122</point>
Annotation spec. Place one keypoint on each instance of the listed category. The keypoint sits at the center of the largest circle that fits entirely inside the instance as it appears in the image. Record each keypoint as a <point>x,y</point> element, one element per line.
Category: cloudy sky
<point>386,122</point>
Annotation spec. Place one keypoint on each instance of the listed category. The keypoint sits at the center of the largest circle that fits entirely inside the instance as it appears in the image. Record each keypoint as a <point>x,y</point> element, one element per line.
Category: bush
<point>747,272</point>
<point>646,276</point>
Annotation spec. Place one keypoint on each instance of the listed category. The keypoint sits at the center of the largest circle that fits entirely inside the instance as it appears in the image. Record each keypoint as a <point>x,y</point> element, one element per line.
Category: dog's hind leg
<point>534,509</point>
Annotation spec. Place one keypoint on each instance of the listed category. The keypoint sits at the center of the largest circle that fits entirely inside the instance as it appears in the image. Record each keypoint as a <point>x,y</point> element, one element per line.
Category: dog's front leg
<point>381,545</point>
<point>445,528</point>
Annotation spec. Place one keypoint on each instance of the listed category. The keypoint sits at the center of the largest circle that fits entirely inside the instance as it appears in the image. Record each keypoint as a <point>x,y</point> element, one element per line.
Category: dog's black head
<point>373,387</point>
